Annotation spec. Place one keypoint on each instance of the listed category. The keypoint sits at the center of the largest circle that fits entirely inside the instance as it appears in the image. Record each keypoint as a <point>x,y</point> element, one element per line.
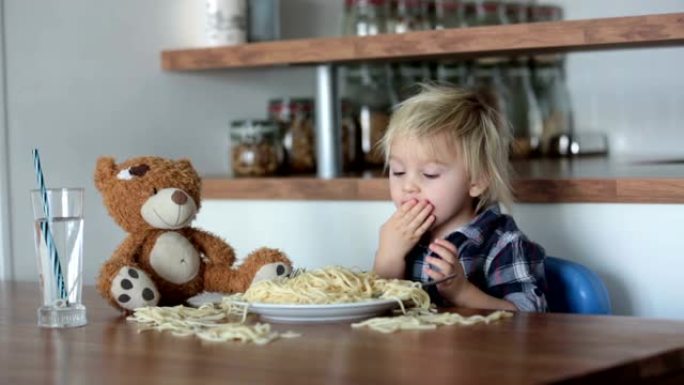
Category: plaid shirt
<point>496,257</point>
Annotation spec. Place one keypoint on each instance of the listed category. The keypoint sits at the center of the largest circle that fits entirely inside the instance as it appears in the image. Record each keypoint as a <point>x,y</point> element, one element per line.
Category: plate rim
<point>321,306</point>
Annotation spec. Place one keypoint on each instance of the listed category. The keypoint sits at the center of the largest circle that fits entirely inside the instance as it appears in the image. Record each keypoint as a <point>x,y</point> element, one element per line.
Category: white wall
<point>634,96</point>
<point>5,268</point>
<point>83,79</point>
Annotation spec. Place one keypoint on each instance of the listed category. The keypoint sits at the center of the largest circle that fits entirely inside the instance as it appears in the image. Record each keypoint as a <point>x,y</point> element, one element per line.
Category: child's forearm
<point>471,296</point>
<point>389,266</point>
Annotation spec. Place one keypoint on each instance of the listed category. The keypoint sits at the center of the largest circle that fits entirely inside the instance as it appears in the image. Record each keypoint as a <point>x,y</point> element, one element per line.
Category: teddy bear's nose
<point>179,197</point>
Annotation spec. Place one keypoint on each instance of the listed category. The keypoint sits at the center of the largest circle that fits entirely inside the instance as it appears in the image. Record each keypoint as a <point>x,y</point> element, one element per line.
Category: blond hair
<point>468,119</point>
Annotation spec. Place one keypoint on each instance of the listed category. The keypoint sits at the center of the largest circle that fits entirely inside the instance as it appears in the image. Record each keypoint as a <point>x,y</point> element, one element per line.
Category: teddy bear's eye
<point>154,191</point>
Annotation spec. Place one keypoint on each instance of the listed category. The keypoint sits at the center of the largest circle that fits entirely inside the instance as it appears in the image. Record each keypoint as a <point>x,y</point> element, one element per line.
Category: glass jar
<point>525,116</point>
<point>296,120</point>
<point>516,11</point>
<point>350,132</point>
<point>408,15</point>
<point>488,80</point>
<point>407,76</point>
<point>365,17</point>
<point>256,149</point>
<point>449,14</point>
<point>555,106</point>
<point>485,12</point>
<point>368,88</point>
<point>540,13</point>
<point>454,73</point>
<point>544,13</point>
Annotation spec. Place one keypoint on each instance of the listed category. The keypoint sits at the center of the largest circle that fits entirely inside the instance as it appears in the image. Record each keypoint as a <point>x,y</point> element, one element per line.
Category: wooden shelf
<point>562,36</point>
<point>540,181</point>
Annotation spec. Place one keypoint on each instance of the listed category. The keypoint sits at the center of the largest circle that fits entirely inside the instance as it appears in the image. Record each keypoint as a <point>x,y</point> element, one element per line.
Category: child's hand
<point>399,234</point>
<point>405,227</point>
<point>450,289</point>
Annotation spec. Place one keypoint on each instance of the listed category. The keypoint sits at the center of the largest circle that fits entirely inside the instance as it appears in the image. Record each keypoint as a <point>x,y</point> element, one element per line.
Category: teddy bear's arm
<point>214,248</point>
<point>128,251</point>
<point>121,280</point>
<point>124,255</point>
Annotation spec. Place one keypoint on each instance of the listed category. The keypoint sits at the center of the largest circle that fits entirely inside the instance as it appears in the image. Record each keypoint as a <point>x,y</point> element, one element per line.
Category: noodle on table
<point>332,285</point>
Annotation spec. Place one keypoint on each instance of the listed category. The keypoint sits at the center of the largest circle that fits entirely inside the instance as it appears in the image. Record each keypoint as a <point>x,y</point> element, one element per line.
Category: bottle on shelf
<point>487,71</point>
<point>451,14</point>
<point>350,132</point>
<point>367,87</point>
<point>555,108</point>
<point>548,80</point>
<point>488,81</point>
<point>296,119</point>
<point>448,14</point>
<point>456,73</point>
<point>485,13</point>
<point>524,115</point>
<point>406,78</point>
<point>544,12</point>
<point>363,117</point>
<point>517,11</point>
<point>408,15</point>
<point>365,17</point>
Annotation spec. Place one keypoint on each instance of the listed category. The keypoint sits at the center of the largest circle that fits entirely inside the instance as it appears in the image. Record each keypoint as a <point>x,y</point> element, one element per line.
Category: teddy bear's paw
<point>270,271</point>
<point>132,288</point>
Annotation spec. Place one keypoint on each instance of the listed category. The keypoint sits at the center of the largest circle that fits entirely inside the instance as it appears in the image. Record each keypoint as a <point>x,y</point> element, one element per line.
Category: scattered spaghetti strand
<point>220,323</point>
<point>421,319</point>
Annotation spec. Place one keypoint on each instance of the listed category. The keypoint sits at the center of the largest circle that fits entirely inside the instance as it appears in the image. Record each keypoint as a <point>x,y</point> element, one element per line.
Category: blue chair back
<point>573,288</point>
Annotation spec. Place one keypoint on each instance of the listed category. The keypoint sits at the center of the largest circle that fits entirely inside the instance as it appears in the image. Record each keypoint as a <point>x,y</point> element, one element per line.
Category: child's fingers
<point>448,245</point>
<point>405,208</point>
<point>445,253</point>
<point>445,268</point>
<point>420,217</point>
<point>425,225</point>
<point>417,209</point>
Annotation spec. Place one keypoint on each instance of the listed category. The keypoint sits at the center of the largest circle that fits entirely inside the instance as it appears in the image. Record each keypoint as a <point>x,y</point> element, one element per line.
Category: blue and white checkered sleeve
<point>515,272</point>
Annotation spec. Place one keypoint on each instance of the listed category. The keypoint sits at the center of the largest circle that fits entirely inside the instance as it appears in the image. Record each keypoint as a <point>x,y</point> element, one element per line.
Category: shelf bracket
<point>328,155</point>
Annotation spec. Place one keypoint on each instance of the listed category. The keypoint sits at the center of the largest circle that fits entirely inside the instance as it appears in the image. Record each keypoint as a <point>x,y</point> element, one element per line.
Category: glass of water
<point>58,233</point>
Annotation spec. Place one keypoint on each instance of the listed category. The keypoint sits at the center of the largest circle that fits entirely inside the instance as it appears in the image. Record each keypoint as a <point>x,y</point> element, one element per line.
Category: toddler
<point>447,153</point>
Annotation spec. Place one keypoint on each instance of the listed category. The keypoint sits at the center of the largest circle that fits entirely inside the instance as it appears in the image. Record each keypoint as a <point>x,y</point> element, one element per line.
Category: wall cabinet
<point>543,180</point>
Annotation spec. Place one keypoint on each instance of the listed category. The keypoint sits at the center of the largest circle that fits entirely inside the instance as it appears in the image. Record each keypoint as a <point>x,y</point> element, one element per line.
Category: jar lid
<point>253,126</point>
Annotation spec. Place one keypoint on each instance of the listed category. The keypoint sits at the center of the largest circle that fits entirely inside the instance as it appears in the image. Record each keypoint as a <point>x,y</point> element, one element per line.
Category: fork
<point>297,271</point>
<point>432,283</point>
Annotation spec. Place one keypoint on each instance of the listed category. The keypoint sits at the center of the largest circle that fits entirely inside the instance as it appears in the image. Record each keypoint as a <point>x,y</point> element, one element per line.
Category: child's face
<point>433,170</point>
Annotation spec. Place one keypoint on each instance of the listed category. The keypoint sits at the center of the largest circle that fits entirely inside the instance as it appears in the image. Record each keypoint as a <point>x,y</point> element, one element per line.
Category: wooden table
<point>525,349</point>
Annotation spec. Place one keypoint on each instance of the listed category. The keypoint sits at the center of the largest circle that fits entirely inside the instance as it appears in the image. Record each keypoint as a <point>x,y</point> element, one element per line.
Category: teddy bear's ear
<point>185,162</point>
<point>104,171</point>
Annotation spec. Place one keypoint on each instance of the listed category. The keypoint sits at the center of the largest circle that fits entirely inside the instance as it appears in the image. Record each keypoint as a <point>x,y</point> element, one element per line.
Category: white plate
<point>205,297</point>
<point>289,313</point>
<point>321,313</point>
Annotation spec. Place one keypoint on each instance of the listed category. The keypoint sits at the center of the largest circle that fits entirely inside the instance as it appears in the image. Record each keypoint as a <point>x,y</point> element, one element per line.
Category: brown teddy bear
<point>164,261</point>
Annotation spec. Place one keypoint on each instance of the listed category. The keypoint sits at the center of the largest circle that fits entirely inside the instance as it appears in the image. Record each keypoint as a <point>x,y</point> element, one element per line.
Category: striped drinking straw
<point>45,227</point>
